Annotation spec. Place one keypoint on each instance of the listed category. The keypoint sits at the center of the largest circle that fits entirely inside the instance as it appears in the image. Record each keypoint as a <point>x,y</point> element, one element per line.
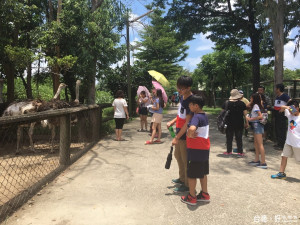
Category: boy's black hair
<point>261,86</point>
<point>197,99</point>
<point>184,81</point>
<point>293,102</point>
<point>280,87</point>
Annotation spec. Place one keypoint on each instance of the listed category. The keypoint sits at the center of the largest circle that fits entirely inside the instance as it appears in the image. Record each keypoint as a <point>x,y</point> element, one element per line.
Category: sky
<point>200,45</point>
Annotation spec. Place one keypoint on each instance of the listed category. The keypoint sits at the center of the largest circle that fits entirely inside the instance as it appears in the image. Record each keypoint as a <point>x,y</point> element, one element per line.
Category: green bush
<point>103,97</point>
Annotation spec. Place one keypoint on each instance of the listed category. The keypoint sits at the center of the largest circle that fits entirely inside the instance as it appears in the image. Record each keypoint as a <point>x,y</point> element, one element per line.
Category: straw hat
<point>235,94</point>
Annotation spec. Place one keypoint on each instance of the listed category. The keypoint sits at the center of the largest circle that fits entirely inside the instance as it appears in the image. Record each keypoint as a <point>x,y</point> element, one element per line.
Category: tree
<point>18,19</point>
<point>88,38</point>
<point>225,70</point>
<point>229,23</point>
<point>282,17</point>
<point>159,49</point>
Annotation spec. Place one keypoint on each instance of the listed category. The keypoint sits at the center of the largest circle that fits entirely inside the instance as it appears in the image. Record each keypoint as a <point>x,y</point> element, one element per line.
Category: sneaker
<point>279,175</point>
<point>240,155</point>
<point>181,188</point>
<point>190,200</point>
<point>203,197</point>
<point>253,163</point>
<point>262,166</point>
<point>235,150</point>
<point>227,153</point>
<point>177,181</point>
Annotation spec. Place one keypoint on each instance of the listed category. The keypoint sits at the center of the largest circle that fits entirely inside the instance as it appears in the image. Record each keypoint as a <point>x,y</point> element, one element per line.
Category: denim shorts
<point>257,128</point>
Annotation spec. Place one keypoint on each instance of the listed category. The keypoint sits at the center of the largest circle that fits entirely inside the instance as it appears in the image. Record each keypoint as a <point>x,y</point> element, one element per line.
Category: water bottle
<point>171,130</point>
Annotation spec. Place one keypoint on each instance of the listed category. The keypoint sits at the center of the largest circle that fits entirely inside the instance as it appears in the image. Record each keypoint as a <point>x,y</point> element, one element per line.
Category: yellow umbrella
<point>159,77</point>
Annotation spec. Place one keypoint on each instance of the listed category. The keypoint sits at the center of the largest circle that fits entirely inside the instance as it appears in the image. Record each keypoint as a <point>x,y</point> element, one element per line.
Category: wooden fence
<point>17,182</point>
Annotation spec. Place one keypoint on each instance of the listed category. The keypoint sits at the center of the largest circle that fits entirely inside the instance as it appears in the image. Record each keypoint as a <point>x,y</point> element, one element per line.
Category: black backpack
<point>222,119</point>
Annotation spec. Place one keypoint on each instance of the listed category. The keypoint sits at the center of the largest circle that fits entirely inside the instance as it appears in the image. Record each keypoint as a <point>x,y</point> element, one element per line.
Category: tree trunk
<point>255,62</point>
<point>69,80</point>
<point>56,69</point>
<point>29,72</point>
<point>92,76</point>
<point>255,54</point>
<point>1,90</point>
<point>276,17</point>
<point>91,82</point>
<point>51,14</point>
<point>9,71</point>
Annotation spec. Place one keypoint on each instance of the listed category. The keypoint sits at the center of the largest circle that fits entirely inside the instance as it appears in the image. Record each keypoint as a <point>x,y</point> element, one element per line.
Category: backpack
<point>222,119</point>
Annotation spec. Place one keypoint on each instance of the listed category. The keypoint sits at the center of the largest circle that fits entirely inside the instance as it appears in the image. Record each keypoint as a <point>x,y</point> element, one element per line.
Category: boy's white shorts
<point>290,151</point>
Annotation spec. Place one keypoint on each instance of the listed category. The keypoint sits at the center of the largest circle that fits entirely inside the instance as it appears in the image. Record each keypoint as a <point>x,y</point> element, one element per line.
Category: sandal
<point>157,141</point>
<point>148,142</point>
<point>140,130</point>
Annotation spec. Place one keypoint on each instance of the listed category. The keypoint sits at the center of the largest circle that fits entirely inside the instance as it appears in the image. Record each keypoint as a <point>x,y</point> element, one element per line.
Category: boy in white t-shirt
<point>292,143</point>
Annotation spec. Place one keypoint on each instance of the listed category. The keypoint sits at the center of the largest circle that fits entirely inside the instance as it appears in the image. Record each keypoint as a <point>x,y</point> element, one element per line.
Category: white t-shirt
<point>254,112</point>
<point>119,103</point>
<point>142,104</point>
<point>293,133</point>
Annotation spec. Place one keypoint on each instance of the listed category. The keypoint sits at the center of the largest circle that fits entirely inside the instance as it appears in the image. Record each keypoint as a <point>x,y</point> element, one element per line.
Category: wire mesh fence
<point>34,148</point>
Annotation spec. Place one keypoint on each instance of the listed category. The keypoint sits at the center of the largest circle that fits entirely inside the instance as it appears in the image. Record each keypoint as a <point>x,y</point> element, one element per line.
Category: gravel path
<point>126,183</point>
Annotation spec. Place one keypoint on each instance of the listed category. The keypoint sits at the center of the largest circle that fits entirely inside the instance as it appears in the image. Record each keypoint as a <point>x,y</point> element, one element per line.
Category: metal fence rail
<point>22,175</point>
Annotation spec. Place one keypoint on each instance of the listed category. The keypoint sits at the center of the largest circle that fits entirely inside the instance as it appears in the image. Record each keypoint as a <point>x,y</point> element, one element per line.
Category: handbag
<point>264,120</point>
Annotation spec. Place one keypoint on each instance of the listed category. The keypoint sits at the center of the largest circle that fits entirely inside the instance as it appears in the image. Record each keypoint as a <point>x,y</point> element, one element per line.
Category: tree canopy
<point>160,49</point>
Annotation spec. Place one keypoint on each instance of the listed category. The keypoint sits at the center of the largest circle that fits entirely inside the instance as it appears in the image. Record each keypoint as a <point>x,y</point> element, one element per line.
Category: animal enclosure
<point>23,174</point>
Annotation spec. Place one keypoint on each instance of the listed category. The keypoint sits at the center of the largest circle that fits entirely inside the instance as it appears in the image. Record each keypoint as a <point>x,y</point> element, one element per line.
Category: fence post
<point>64,143</point>
<point>95,121</point>
<point>100,119</point>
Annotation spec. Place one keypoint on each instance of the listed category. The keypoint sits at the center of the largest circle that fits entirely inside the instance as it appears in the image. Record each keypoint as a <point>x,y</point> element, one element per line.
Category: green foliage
<point>103,97</point>
<point>229,23</point>
<point>20,56</point>
<point>107,128</point>
<point>222,69</point>
<point>160,49</point>
<point>65,63</point>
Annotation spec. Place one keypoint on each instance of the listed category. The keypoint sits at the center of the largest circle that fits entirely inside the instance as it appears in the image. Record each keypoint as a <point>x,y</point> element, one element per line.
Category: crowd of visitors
<point>192,143</point>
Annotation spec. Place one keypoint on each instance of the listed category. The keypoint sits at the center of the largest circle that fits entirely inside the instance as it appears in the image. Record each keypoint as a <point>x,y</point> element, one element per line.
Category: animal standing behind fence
<point>20,108</point>
<point>59,104</point>
<point>25,107</point>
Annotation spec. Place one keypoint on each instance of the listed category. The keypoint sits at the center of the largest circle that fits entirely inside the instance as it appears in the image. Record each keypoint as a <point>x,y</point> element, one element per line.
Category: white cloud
<point>204,44</point>
<point>134,42</point>
<point>290,61</point>
<point>190,63</point>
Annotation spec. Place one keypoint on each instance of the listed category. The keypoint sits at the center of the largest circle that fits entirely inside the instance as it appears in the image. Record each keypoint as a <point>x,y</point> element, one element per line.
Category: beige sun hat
<point>235,94</point>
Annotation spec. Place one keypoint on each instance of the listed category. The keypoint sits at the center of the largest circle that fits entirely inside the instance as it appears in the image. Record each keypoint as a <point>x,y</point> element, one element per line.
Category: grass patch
<point>212,110</point>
